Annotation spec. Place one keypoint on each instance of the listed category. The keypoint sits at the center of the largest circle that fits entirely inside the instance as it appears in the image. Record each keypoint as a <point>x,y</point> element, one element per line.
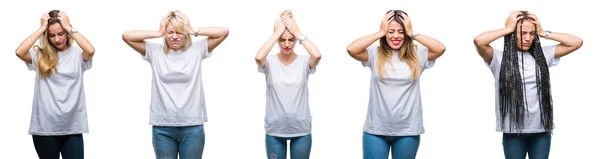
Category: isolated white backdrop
<point>458,97</point>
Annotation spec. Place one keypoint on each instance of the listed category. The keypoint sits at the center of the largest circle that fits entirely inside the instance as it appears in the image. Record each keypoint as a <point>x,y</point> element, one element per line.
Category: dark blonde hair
<point>46,52</point>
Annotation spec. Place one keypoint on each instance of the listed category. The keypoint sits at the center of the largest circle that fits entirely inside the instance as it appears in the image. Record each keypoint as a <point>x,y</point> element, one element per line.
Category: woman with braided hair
<point>523,96</point>
<point>394,118</point>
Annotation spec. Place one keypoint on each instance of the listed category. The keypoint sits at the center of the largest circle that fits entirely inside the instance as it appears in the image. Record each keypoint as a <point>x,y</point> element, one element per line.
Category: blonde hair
<point>180,23</point>
<point>287,13</point>
<point>46,53</point>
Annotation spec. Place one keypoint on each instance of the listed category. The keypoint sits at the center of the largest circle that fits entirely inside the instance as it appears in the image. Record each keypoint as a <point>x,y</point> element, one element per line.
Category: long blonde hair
<point>178,20</point>
<point>407,52</point>
<point>46,53</point>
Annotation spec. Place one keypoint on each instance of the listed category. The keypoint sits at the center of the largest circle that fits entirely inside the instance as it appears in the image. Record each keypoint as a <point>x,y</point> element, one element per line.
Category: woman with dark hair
<point>523,98</point>
<point>394,117</point>
<point>59,115</point>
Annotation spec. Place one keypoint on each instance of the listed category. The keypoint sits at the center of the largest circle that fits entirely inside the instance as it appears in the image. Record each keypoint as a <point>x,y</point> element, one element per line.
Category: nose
<point>287,43</point>
<point>396,35</point>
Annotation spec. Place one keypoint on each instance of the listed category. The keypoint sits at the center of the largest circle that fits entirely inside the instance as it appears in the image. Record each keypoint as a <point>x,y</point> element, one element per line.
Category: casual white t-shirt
<point>532,122</point>
<point>59,101</point>
<point>177,93</point>
<point>287,110</point>
<point>395,102</point>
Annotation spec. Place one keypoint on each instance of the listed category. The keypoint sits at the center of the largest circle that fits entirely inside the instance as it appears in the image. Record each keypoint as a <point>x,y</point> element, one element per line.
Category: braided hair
<point>512,88</point>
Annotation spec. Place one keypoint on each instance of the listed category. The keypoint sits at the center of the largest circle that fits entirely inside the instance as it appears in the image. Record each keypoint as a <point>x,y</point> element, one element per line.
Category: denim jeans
<point>51,147</point>
<point>299,147</point>
<point>378,146</point>
<point>187,141</point>
<point>516,146</point>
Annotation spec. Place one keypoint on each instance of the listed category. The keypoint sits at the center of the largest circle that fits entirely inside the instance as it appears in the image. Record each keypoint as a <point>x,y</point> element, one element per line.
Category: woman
<point>523,99</point>
<point>286,73</point>
<point>177,110</point>
<point>394,118</point>
<point>59,115</point>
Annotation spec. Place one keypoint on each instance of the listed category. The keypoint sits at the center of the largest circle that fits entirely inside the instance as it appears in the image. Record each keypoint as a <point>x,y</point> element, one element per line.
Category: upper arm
<point>485,51</point>
<point>362,56</point>
<point>25,57</point>
<point>214,42</point>
<point>139,46</point>
<point>562,50</point>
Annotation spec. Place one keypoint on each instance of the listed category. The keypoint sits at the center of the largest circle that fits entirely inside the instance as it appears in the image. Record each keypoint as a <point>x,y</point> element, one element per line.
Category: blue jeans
<point>188,141</point>
<point>516,146</point>
<point>51,147</point>
<point>378,146</point>
<point>299,147</point>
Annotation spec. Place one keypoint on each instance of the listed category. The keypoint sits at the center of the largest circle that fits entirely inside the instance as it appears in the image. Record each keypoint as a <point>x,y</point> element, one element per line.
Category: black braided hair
<point>512,88</point>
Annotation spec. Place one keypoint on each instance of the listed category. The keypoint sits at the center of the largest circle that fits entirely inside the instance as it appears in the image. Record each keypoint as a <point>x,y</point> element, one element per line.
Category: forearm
<point>24,47</point>
<point>432,44</point>
<point>141,35</point>
<point>361,44</point>
<point>213,32</point>
<point>266,48</point>
<point>484,39</point>
<point>564,39</point>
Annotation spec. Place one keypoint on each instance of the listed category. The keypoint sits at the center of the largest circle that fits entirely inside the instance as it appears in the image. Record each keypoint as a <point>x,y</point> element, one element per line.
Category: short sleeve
<point>79,54</point>
<point>549,53</point>
<point>151,48</point>
<point>202,44</point>
<point>371,51</point>
<point>496,59</point>
<point>31,66</point>
<point>423,54</point>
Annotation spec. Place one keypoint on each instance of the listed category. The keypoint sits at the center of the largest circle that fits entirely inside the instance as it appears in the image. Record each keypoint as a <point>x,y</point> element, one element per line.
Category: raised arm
<point>358,48</point>
<point>261,55</point>
<point>436,48</point>
<point>23,49</point>
<point>483,40</point>
<point>135,38</point>
<point>216,35</point>
<point>84,44</point>
<point>568,43</point>
<point>315,54</point>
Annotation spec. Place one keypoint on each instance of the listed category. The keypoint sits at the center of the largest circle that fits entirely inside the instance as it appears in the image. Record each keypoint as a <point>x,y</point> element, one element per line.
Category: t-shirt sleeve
<point>151,49</point>
<point>202,44</point>
<point>79,54</point>
<point>371,51</point>
<point>31,66</point>
<point>423,54</point>
<point>496,59</point>
<point>549,53</point>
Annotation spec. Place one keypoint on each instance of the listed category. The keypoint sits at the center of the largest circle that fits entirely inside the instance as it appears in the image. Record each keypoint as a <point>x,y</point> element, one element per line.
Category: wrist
<point>381,33</point>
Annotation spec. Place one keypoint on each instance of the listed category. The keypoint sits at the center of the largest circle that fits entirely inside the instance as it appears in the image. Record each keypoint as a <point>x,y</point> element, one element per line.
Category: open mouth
<point>396,42</point>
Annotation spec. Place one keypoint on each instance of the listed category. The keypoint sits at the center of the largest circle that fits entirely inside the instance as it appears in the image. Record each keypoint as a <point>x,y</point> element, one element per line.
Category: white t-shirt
<point>532,123</point>
<point>395,102</point>
<point>59,100</point>
<point>288,113</point>
<point>177,92</point>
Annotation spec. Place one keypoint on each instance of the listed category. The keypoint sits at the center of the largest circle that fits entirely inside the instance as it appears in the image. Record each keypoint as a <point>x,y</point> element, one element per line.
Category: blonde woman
<point>394,117</point>
<point>286,74</point>
<point>59,116</point>
<point>177,110</point>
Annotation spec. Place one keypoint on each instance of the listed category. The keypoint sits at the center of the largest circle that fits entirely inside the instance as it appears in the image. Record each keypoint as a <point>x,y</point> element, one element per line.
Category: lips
<point>396,42</point>
<point>287,49</point>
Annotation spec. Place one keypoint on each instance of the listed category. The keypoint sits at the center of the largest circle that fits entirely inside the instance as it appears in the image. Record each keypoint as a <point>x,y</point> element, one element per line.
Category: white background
<point>458,97</point>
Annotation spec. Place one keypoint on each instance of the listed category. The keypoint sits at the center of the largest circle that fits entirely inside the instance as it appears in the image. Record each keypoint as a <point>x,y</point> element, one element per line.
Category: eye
<point>61,33</point>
